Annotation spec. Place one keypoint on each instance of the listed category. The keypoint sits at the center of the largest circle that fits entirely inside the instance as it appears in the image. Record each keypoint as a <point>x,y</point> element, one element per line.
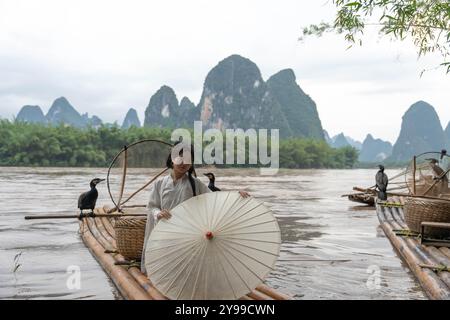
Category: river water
<point>332,248</point>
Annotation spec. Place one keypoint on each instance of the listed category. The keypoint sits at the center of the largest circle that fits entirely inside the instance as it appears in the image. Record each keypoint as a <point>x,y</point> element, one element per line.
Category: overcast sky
<point>108,56</point>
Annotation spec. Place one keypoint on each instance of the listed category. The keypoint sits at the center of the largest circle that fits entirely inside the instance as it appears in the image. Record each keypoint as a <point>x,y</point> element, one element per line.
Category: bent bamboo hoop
<point>124,176</point>
<point>98,235</point>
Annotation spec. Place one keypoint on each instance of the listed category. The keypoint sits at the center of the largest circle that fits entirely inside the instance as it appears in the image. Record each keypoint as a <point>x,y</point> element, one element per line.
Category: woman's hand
<point>244,194</point>
<point>164,214</point>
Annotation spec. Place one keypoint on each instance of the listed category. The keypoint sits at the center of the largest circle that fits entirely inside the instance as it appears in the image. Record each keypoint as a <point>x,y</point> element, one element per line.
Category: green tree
<point>425,22</point>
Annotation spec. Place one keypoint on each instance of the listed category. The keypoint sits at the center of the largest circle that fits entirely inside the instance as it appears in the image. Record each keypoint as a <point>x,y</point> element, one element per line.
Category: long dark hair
<point>191,172</point>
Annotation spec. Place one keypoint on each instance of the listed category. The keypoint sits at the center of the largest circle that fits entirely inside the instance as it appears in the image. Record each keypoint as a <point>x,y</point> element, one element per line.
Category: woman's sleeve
<point>154,207</point>
<point>154,202</point>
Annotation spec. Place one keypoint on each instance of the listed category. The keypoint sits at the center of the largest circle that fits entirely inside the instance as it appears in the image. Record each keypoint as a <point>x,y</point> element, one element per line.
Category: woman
<point>169,191</point>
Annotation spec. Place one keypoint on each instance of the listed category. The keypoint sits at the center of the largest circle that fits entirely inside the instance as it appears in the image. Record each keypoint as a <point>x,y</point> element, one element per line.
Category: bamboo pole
<point>127,286</point>
<point>124,175</point>
<point>272,293</point>
<point>81,216</point>
<point>142,188</point>
<point>413,255</point>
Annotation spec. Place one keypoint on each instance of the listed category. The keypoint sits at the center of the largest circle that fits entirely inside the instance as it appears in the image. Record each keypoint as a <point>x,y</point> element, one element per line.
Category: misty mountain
<point>421,131</point>
<point>131,119</point>
<point>374,150</point>
<point>340,141</point>
<point>31,114</point>
<point>235,96</point>
<point>62,111</point>
<point>164,111</point>
<point>354,143</point>
<point>327,137</point>
<point>299,109</point>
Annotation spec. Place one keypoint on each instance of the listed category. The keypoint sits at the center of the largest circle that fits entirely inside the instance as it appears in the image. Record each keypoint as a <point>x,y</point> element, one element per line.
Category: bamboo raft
<point>99,237</point>
<point>429,263</point>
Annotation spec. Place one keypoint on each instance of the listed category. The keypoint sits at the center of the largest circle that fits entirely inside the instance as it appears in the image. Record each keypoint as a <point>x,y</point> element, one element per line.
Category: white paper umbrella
<point>216,246</point>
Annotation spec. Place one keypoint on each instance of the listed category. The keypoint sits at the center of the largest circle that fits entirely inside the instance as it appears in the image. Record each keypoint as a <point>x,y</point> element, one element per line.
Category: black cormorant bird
<point>382,182</point>
<point>212,179</point>
<point>88,199</point>
<point>438,171</point>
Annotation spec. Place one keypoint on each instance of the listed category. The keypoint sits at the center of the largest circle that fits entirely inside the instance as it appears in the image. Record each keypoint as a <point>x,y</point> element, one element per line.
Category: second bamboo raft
<point>427,262</point>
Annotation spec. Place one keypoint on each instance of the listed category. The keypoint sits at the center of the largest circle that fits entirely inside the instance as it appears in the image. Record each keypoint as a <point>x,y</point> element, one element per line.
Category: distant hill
<point>164,111</point>
<point>235,96</point>
<point>31,114</point>
<point>421,131</point>
<point>374,150</point>
<point>340,141</point>
<point>327,137</point>
<point>61,112</point>
<point>354,143</point>
<point>131,119</point>
<point>299,109</point>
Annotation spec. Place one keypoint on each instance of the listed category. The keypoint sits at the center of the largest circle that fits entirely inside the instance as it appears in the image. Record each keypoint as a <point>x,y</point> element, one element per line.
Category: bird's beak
<point>205,174</point>
<point>101,180</point>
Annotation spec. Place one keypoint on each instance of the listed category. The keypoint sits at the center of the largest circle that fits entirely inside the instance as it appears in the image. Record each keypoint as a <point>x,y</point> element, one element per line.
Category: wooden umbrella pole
<point>124,175</point>
<point>85,215</point>
<point>142,188</point>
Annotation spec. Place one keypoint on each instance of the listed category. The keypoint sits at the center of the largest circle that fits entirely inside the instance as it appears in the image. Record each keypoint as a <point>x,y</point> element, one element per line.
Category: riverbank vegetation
<point>24,144</point>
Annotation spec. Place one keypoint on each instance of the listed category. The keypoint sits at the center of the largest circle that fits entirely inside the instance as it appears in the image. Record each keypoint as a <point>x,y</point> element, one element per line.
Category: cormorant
<point>212,179</point>
<point>87,200</point>
<point>438,171</point>
<point>382,182</point>
<point>444,161</point>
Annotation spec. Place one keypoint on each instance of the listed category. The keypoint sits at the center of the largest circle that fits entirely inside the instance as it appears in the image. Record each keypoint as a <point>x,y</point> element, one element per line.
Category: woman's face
<point>179,166</point>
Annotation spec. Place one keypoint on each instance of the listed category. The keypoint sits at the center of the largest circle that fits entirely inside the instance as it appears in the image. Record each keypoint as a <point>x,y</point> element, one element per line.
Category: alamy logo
<point>229,147</point>
<point>374,280</point>
<point>74,280</point>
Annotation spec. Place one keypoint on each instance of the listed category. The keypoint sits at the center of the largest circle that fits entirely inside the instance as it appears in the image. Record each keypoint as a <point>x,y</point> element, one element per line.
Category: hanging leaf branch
<point>425,22</point>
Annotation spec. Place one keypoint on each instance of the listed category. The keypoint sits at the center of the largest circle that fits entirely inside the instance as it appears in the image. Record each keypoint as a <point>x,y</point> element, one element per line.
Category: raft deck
<point>99,237</point>
<point>425,261</point>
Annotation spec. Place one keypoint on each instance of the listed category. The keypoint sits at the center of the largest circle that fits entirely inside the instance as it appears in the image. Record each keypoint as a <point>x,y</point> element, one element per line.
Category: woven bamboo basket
<point>421,209</point>
<point>130,234</point>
